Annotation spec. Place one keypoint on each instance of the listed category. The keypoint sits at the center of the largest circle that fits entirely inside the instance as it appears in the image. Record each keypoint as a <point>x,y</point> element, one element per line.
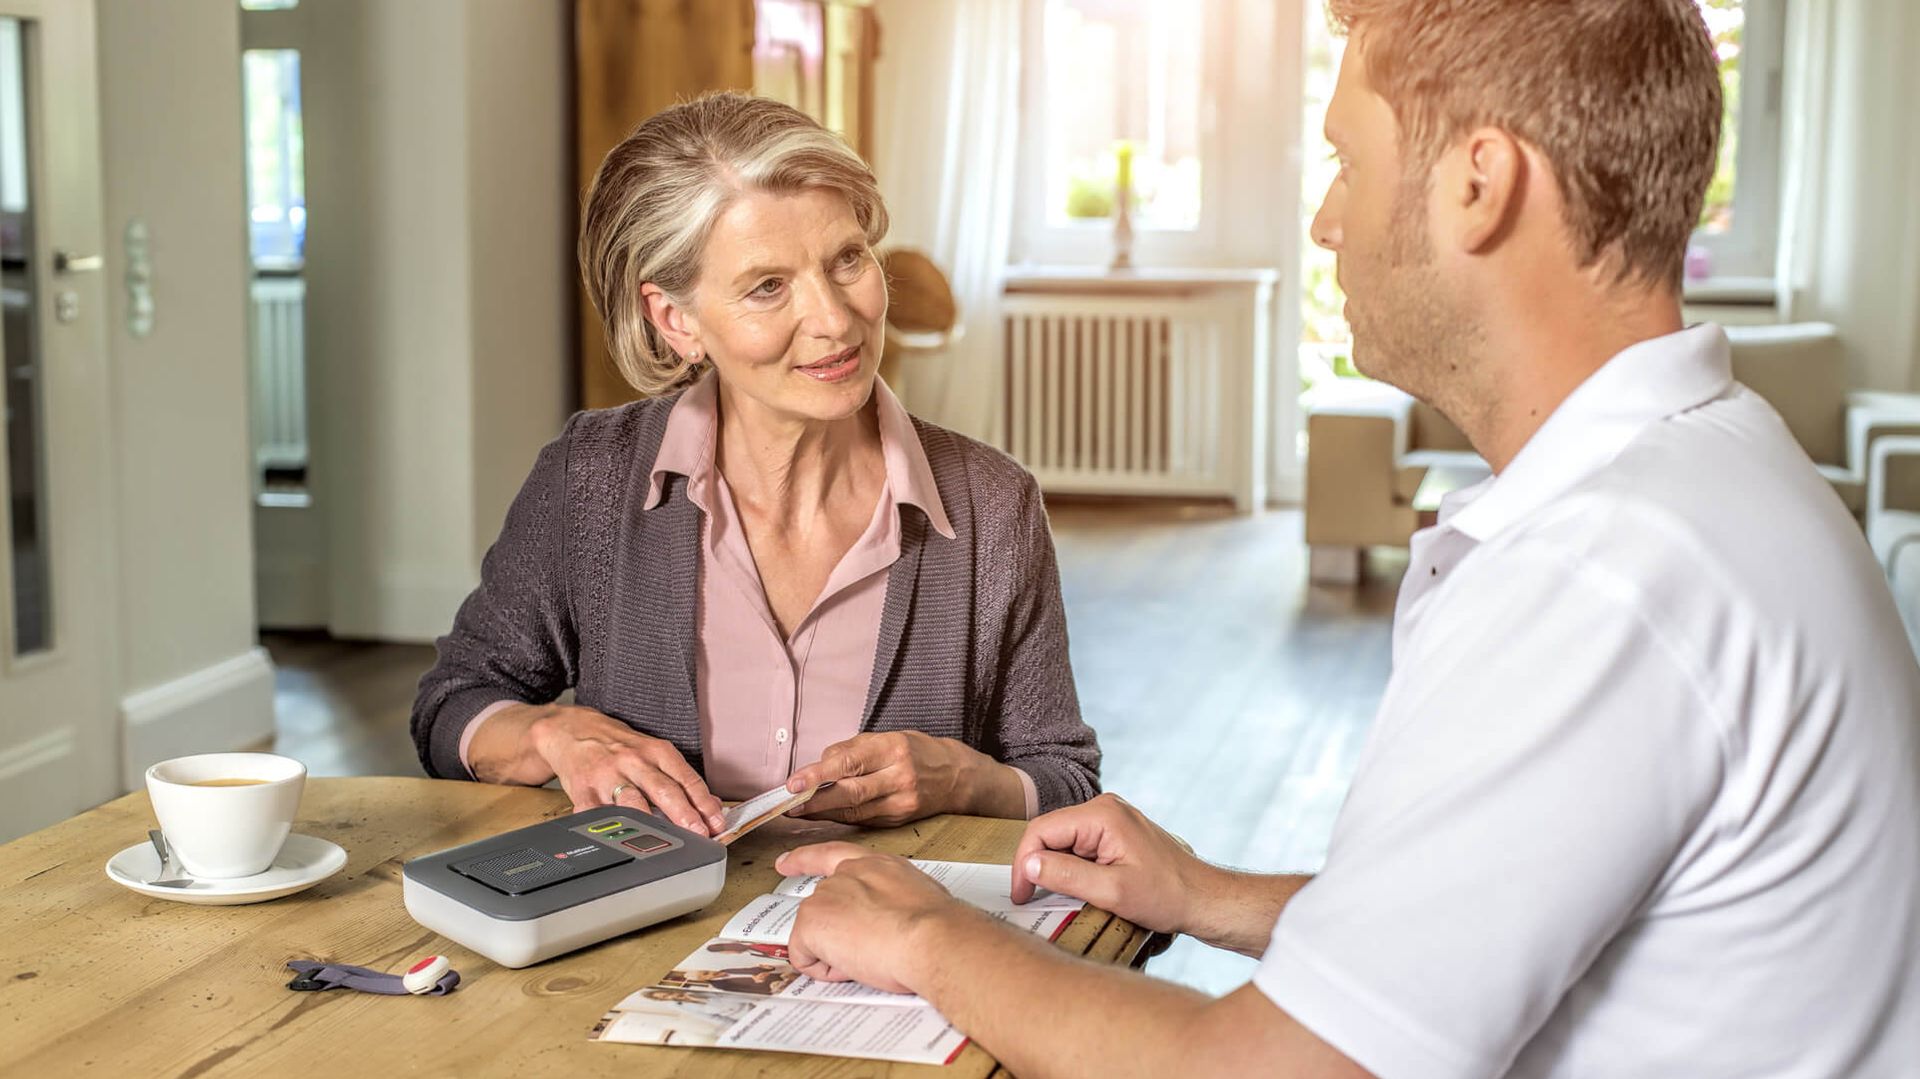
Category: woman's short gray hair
<point>656,197</point>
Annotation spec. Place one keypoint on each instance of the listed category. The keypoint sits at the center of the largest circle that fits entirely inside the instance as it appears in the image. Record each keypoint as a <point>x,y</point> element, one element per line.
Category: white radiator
<point>279,372</point>
<point>1146,395</point>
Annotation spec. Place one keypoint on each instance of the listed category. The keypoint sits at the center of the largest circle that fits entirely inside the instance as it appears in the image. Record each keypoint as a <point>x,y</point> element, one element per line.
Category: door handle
<point>65,263</point>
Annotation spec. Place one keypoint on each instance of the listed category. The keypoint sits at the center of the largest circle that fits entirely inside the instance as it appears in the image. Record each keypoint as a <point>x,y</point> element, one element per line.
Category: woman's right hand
<point>598,760</point>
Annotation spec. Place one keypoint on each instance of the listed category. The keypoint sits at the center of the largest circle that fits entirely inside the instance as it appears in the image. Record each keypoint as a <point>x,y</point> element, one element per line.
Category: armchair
<point>1895,533</point>
<point>1801,369</point>
<point>1371,447</point>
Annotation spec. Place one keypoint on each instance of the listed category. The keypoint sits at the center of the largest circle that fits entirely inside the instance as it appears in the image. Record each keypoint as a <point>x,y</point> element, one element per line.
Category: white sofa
<point>1894,532</point>
<point>1801,369</point>
<point>1369,446</point>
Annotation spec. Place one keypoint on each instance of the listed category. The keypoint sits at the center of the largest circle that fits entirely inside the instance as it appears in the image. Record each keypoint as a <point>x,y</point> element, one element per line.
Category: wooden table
<point>96,978</point>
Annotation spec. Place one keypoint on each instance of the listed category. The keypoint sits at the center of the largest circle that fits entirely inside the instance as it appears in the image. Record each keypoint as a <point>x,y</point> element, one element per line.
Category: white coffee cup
<point>226,831</point>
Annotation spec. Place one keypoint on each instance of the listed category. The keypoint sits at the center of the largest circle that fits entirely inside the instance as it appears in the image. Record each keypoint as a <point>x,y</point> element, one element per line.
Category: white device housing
<point>523,943</point>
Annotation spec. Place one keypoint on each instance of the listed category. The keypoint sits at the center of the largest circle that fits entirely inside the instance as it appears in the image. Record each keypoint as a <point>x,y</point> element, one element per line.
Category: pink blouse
<point>771,704</point>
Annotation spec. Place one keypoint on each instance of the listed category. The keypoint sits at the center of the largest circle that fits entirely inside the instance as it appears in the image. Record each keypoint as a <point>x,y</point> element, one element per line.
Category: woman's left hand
<point>899,776</point>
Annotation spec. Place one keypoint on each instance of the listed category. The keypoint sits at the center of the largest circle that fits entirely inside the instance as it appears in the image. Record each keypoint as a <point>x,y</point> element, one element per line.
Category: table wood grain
<point>98,979</point>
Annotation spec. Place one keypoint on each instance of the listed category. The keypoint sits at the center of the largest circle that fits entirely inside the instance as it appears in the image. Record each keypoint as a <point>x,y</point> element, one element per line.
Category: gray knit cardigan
<point>585,589</point>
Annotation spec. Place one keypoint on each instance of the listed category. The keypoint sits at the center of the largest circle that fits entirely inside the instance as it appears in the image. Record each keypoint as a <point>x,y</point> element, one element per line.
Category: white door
<point>59,751</point>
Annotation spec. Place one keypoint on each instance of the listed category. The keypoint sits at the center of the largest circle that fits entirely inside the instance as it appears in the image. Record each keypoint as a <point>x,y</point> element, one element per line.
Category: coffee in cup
<point>226,814</point>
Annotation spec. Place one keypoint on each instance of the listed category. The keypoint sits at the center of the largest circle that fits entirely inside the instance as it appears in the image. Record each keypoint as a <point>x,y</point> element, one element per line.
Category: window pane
<point>1326,348</point>
<point>268,5</point>
<point>1727,22</point>
<point>23,373</point>
<point>276,157</point>
<point>1124,71</point>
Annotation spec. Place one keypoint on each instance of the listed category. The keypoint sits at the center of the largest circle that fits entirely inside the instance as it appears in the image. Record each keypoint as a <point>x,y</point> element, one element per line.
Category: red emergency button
<point>422,977</point>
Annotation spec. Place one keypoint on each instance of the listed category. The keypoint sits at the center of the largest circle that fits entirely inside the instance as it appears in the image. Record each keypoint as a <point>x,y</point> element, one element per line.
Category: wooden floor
<point>1231,696</point>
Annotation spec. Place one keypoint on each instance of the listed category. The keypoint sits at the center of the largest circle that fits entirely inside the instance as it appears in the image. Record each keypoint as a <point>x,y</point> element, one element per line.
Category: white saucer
<point>304,862</point>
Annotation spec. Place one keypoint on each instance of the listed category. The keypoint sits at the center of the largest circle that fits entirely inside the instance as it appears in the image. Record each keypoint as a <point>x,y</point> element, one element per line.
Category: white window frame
<point>1038,241</point>
<point>1745,252</point>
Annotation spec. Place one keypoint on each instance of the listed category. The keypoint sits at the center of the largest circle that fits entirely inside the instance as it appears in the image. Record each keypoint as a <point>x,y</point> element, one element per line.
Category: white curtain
<point>1850,227</point>
<point>946,91</point>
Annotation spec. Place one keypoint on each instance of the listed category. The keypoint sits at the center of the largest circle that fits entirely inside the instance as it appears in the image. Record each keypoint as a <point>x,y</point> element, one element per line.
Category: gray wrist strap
<point>314,977</point>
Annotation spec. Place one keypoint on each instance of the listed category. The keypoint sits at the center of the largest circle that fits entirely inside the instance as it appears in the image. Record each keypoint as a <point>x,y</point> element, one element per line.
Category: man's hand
<point>1109,854</point>
<point>862,920</point>
<point>900,776</point>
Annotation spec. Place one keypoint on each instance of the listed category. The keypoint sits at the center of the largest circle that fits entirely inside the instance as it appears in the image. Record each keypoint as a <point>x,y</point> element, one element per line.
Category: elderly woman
<point>767,572</point>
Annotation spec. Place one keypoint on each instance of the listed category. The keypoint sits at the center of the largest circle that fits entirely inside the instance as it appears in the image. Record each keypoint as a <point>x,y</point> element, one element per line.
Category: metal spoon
<point>171,875</point>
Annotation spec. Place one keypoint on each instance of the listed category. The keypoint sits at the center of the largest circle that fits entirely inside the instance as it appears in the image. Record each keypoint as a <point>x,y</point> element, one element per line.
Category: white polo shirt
<point>1642,795</point>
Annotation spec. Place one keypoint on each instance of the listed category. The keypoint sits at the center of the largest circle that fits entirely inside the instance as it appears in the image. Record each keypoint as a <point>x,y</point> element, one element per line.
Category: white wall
<point>521,206</point>
<point>438,281</point>
<point>192,678</point>
<point>387,318</point>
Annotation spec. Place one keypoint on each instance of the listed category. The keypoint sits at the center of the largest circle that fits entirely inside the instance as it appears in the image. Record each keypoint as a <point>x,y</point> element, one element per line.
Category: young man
<point>1641,797</point>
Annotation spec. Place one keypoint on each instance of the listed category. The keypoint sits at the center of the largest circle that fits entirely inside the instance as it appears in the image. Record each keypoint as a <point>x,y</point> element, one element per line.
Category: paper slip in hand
<point>762,808</point>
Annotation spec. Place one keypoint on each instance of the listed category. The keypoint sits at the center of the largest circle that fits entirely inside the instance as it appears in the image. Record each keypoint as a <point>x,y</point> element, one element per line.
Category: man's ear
<point>1483,184</point>
<point>675,324</point>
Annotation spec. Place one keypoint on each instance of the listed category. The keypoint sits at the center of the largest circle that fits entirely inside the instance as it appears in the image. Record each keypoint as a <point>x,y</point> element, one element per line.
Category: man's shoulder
<point>1716,535</point>
<point>1717,503</point>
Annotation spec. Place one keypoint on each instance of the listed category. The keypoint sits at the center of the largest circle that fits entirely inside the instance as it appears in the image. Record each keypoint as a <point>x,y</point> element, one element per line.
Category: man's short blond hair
<point>656,196</point>
<point>1621,96</point>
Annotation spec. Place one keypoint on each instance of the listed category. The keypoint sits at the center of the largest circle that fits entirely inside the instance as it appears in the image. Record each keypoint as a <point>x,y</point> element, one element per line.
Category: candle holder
<point>1123,208</point>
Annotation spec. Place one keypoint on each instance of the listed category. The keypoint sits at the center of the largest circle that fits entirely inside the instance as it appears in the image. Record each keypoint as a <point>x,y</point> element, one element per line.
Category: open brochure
<point>739,991</point>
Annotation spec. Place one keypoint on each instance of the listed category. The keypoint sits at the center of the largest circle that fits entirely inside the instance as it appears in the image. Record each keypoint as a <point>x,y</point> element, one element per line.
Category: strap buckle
<point>305,982</point>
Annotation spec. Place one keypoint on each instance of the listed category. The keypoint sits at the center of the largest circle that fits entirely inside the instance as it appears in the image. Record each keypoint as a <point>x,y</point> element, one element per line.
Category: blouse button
<point>780,736</point>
